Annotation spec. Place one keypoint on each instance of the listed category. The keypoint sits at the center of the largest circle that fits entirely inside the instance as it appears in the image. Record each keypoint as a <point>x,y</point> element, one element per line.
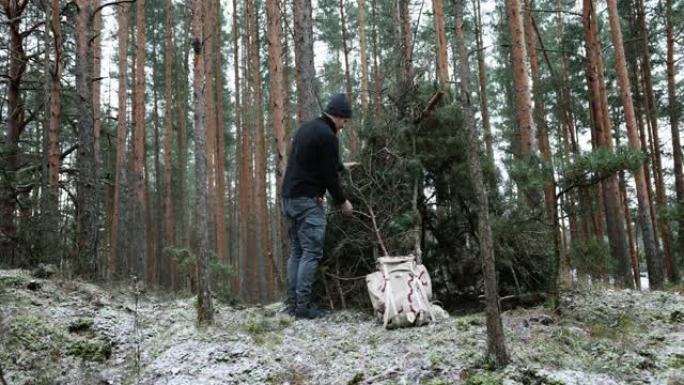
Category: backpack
<point>400,292</point>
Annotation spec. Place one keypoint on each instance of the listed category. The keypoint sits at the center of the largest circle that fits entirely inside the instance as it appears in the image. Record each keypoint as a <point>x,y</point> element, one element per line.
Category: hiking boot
<point>289,311</point>
<point>311,312</point>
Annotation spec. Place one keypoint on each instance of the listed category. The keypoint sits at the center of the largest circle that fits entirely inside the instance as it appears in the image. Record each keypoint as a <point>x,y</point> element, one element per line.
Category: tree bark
<point>653,261</point>
<point>353,137</point>
<point>240,162</point>
<point>86,188</point>
<point>441,44</point>
<point>674,121</point>
<point>275,71</point>
<point>204,306</point>
<point>220,152</point>
<point>307,90</point>
<point>139,247</point>
<point>661,204</point>
<point>482,76</point>
<point>523,97</point>
<point>377,77</point>
<point>208,22</point>
<point>15,127</point>
<point>361,4</point>
<point>496,348</point>
<point>602,139</point>
<point>121,128</point>
<point>55,116</point>
<point>169,228</point>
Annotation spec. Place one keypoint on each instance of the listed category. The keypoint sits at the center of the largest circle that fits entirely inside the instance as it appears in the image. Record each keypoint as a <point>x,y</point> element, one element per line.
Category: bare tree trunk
<point>15,127</point>
<point>169,228</point>
<point>599,101</point>
<point>264,243</point>
<point>630,233</point>
<point>307,90</point>
<point>653,261</point>
<point>121,128</point>
<point>276,97</point>
<point>551,204</point>
<point>674,121</point>
<point>86,187</point>
<point>55,111</point>
<point>661,204</point>
<point>441,44</point>
<point>208,22</point>
<point>523,98</point>
<point>220,151</point>
<point>496,347</point>
<point>140,231</point>
<point>377,77</point>
<point>361,4</point>
<point>204,307</point>
<point>353,136</point>
<point>238,267</point>
<point>482,76</point>
<point>154,211</point>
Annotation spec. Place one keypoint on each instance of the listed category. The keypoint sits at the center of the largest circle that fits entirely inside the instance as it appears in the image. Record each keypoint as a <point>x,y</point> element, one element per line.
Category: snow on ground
<point>66,332</point>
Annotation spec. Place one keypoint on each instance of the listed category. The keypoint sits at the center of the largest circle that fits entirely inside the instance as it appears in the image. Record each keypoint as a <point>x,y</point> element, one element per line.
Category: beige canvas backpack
<point>401,291</point>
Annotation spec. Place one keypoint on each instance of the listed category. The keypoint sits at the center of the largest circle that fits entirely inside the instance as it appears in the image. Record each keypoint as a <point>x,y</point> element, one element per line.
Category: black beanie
<point>339,106</point>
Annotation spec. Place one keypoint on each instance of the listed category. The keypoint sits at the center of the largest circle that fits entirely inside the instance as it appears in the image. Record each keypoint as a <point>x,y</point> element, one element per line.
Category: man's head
<point>339,110</point>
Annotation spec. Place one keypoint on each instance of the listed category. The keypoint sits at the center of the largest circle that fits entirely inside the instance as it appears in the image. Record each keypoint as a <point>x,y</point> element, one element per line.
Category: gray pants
<point>306,231</point>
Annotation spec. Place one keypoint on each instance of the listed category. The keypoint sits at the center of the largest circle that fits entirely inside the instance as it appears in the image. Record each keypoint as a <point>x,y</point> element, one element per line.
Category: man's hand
<point>347,209</point>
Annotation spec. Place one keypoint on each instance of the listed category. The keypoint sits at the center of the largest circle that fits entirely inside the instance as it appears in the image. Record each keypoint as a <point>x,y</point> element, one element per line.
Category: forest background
<point>148,139</point>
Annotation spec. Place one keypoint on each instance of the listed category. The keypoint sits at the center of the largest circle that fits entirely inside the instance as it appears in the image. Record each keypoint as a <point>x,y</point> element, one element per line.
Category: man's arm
<point>330,164</point>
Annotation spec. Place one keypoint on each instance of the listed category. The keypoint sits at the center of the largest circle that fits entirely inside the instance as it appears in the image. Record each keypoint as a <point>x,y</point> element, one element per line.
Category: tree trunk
<point>204,307</point>
<point>208,22</point>
<point>140,231</point>
<point>482,76</point>
<point>55,111</point>
<point>630,232</point>
<point>550,202</point>
<point>523,98</point>
<point>238,267</point>
<point>169,228</point>
<point>220,151</point>
<point>496,348</point>
<point>377,77</point>
<point>361,4</point>
<point>441,44</point>
<point>264,244</point>
<point>121,128</point>
<point>353,137</point>
<point>276,97</point>
<point>86,188</point>
<point>307,90</point>
<point>154,211</point>
<point>653,261</point>
<point>602,136</point>
<point>15,126</point>
<point>661,204</point>
<point>674,122</point>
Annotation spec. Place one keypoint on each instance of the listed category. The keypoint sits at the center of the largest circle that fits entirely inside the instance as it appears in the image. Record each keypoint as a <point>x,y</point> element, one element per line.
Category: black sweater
<point>314,162</point>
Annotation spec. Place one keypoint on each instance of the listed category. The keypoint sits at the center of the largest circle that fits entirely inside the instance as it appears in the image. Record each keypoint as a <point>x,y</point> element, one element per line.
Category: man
<point>311,170</point>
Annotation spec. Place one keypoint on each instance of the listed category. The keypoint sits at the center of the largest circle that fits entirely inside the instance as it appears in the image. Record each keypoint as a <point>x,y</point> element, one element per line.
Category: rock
<point>44,271</point>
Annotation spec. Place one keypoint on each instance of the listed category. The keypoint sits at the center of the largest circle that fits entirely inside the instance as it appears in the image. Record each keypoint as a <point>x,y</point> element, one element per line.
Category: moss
<point>33,334</point>
<point>7,282</point>
<point>98,349</point>
<point>483,378</point>
<point>80,325</point>
<point>677,362</point>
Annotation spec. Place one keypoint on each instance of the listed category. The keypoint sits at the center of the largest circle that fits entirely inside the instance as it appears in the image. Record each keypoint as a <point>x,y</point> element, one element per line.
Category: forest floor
<point>56,331</point>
